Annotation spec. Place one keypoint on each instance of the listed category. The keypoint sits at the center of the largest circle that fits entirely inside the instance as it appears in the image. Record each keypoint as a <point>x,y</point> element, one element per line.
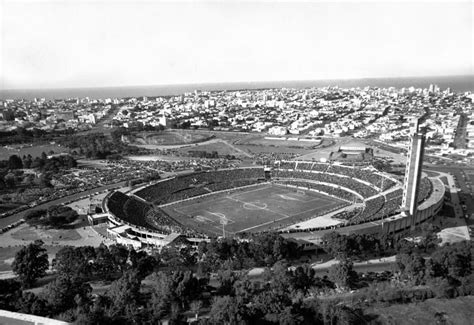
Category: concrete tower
<point>413,169</point>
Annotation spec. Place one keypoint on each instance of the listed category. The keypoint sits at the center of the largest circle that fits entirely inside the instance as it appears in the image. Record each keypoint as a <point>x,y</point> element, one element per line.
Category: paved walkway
<point>457,230</point>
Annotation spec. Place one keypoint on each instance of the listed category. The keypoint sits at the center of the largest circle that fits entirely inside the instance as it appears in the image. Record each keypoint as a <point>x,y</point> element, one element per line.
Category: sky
<point>64,44</point>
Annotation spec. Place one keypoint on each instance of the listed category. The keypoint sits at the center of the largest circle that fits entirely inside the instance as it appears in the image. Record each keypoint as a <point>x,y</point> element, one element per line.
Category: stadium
<point>293,198</point>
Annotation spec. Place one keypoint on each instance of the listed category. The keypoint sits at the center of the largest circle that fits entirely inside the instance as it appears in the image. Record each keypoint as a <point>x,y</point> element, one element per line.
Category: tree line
<point>178,282</point>
<point>12,176</point>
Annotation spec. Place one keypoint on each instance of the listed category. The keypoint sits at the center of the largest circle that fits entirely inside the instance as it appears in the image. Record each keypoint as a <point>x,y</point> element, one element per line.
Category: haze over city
<point>59,44</point>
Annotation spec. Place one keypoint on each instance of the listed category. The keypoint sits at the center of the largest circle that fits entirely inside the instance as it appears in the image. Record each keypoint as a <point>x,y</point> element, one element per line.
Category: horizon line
<point>234,82</point>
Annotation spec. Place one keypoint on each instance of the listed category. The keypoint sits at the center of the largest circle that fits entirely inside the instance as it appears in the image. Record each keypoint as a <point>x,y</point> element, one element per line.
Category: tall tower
<point>413,169</point>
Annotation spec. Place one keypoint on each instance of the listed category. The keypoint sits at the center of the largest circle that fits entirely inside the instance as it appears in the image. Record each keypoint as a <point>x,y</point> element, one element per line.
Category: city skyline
<point>110,43</point>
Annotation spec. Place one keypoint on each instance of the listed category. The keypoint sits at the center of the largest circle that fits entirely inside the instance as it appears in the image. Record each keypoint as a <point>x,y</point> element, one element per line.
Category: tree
<point>303,278</point>
<point>104,263</point>
<point>195,307</point>
<point>161,295</point>
<point>342,274</point>
<point>14,162</point>
<point>125,293</point>
<point>336,245</point>
<point>74,261</point>
<point>452,260</point>
<point>10,289</point>
<point>31,263</point>
<point>142,262</point>
<point>333,313</point>
<point>177,288</point>
<point>29,303</point>
<point>27,161</point>
<point>227,310</point>
<point>120,256</point>
<point>64,291</point>
<point>412,267</point>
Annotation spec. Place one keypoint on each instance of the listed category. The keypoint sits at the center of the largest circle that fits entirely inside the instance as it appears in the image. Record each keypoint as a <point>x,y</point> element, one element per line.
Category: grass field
<point>261,141</point>
<point>34,151</point>
<point>4,207</point>
<point>171,138</point>
<point>30,234</point>
<point>221,147</point>
<point>431,311</point>
<point>254,208</point>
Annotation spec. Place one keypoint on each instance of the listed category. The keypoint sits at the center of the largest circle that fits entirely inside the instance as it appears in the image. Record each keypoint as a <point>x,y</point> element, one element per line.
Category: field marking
<point>266,209</point>
<point>285,217</point>
<point>313,197</point>
<point>264,187</point>
<point>264,224</point>
<point>248,205</point>
<point>324,206</point>
<point>220,198</point>
<point>325,201</point>
<point>221,216</point>
<point>191,204</point>
<point>203,219</point>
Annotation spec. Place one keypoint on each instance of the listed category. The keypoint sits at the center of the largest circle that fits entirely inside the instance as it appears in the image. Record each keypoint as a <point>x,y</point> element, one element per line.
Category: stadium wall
<point>427,210</point>
<point>135,235</point>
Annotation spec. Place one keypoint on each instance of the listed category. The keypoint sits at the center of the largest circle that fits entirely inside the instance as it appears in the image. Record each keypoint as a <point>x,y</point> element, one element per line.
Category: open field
<point>175,137</point>
<point>30,234</point>
<point>159,157</point>
<point>220,146</point>
<point>432,311</point>
<point>4,207</point>
<point>34,151</point>
<point>261,141</point>
<point>25,234</point>
<point>7,255</point>
<point>255,208</point>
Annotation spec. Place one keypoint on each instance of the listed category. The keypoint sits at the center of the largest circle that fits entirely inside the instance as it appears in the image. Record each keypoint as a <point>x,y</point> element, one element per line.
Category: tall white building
<point>413,169</point>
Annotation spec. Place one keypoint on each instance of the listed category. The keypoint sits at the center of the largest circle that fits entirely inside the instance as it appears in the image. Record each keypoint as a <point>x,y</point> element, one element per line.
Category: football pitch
<point>256,208</point>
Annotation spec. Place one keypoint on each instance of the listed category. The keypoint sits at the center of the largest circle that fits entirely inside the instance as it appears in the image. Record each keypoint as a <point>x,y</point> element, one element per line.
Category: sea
<point>459,84</point>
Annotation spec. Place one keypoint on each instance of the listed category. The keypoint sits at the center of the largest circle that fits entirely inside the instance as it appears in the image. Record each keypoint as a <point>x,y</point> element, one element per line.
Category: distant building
<point>413,169</point>
<point>354,151</point>
<point>277,130</point>
<point>65,115</point>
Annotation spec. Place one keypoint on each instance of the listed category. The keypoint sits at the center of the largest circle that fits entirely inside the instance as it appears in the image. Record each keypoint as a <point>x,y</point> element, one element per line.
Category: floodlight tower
<point>413,169</point>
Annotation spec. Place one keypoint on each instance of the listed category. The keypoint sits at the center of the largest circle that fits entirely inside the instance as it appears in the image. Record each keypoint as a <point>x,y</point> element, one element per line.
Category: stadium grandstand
<point>365,199</point>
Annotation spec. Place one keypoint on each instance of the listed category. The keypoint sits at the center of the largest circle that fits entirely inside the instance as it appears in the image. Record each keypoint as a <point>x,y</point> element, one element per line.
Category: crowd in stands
<point>337,180</point>
<point>214,187</point>
<point>391,195</point>
<point>128,209</point>
<point>162,221</point>
<point>372,207</point>
<point>426,187</point>
<point>366,175</point>
<point>346,182</point>
<point>347,215</point>
<point>187,186</point>
<point>330,190</point>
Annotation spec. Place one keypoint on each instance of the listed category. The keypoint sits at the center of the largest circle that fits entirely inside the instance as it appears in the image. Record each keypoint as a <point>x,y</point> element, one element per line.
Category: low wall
<point>8,317</point>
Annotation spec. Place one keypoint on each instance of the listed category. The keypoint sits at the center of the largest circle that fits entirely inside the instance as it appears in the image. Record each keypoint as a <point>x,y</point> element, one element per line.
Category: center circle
<point>255,205</point>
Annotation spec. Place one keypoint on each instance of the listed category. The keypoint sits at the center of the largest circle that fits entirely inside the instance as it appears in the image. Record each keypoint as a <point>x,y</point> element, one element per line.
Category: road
<point>14,218</point>
<point>464,177</point>
<point>374,265</point>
